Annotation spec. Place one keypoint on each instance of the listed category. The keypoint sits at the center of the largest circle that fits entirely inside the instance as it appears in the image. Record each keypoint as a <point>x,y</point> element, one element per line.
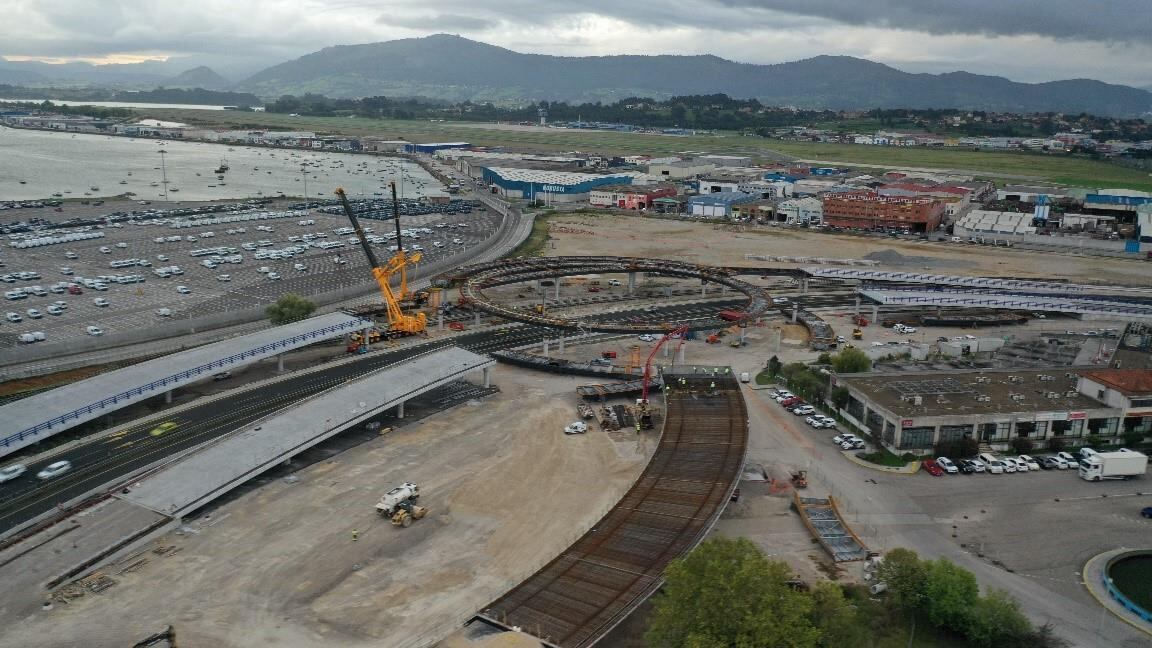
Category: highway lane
<point>106,459</point>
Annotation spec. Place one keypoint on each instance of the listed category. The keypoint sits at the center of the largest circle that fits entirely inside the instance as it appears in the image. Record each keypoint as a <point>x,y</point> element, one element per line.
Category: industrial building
<point>802,211</point>
<point>629,196</point>
<point>472,163</point>
<point>867,210</point>
<point>432,147</point>
<point>1128,389</point>
<point>956,199</point>
<point>717,205</point>
<point>553,186</point>
<point>680,170</point>
<point>1021,193</point>
<point>911,412</point>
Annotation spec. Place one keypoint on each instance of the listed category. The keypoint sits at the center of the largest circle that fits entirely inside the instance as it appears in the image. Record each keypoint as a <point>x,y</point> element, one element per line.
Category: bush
<point>958,449</point>
<point>851,361</point>
<point>1057,444</point>
<point>1093,440</point>
<point>1022,445</point>
<point>840,396</point>
<point>1132,438</point>
<point>289,308</point>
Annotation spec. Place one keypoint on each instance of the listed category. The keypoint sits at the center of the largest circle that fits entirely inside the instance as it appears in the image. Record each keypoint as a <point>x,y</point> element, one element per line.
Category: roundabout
<point>1120,581</point>
<point>475,279</point>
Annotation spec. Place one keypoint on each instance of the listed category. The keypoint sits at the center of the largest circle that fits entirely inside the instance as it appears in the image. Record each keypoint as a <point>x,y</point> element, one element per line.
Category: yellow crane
<point>399,322</point>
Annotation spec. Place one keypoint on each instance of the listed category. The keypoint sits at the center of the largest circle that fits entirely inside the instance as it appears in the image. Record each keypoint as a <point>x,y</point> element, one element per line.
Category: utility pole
<point>164,174</point>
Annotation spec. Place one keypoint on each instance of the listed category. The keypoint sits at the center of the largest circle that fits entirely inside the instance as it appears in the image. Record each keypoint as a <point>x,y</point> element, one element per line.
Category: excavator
<point>399,322</point>
<point>643,408</point>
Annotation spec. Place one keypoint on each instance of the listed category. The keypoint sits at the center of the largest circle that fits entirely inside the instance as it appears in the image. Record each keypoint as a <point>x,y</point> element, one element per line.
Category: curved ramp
<point>583,593</point>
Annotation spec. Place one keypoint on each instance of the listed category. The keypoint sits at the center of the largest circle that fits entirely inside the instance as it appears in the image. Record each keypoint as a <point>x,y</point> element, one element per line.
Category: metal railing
<point>181,376</point>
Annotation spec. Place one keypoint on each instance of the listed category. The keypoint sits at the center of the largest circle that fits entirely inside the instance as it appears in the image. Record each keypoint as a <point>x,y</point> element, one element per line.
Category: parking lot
<point>135,305</point>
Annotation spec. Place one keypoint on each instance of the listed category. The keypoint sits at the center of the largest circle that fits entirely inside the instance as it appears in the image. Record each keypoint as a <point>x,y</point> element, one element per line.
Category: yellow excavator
<point>399,322</point>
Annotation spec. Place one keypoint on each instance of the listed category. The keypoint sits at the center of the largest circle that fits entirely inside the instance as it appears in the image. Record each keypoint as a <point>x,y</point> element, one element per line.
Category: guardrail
<point>1122,299</point>
<point>155,385</point>
<point>1045,305</point>
<point>973,282</point>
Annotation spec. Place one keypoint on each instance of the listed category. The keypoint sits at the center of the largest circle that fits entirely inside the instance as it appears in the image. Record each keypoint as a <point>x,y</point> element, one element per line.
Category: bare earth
<point>614,234</point>
<point>279,566</point>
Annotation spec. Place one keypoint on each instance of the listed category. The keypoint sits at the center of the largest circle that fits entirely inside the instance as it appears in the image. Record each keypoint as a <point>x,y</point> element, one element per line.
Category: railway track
<point>589,588</point>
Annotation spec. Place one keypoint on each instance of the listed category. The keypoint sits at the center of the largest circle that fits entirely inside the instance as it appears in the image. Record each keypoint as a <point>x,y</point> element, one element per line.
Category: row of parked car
<point>992,464</point>
<point>792,402</point>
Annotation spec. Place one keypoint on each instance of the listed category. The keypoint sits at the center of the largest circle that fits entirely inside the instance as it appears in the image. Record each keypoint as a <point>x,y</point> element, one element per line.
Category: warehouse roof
<point>1001,393</point>
<point>546,176</point>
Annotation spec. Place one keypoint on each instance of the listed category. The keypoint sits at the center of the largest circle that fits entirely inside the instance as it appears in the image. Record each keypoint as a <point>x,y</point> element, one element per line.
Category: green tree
<point>840,397</point>
<point>1132,438</point>
<point>838,620</point>
<point>289,308</point>
<point>851,361</point>
<point>1022,445</point>
<point>906,575</point>
<point>774,366</point>
<point>996,619</point>
<point>727,593</point>
<point>950,592</point>
<point>824,359</point>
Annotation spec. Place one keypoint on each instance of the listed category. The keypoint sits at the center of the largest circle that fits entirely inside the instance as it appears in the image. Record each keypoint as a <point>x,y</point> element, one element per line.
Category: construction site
<point>606,420</point>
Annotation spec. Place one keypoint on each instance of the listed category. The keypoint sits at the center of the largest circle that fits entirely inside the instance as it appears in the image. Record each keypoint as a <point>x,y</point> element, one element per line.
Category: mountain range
<point>452,68</point>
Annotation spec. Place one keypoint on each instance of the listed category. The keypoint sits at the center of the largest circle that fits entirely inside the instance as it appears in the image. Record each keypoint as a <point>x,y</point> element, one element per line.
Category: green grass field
<point>999,166</point>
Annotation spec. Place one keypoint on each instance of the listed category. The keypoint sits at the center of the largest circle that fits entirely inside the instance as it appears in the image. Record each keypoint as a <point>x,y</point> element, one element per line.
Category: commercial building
<point>725,160</point>
<point>717,205</point>
<point>867,210</point>
<point>1130,390</point>
<point>802,211</point>
<point>553,186</point>
<point>1028,194</point>
<point>629,196</point>
<point>912,412</point>
<point>956,199</point>
<point>760,211</point>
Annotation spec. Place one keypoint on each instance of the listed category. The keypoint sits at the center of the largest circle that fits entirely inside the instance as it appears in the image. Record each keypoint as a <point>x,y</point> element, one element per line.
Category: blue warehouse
<point>550,186</point>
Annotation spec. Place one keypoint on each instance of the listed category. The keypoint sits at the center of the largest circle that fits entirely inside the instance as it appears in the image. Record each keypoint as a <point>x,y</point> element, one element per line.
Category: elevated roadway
<point>37,417</point>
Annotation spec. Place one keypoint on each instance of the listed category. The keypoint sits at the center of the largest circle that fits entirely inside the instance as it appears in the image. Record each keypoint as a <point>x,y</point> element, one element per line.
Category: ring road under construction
<point>476,278</point>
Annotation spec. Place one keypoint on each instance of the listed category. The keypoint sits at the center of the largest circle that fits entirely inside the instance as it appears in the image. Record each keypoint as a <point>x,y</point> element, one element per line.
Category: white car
<point>274,275</point>
<point>183,290</point>
<point>223,277</point>
<point>996,467</point>
<point>69,255</point>
<point>579,427</point>
<point>804,410</point>
<point>14,317</point>
<point>647,338</point>
<point>828,421</point>
<point>852,444</point>
<point>100,301</point>
<point>54,310</point>
<point>299,266</point>
<point>947,466</point>
<point>161,257</point>
<point>1016,464</point>
<point>1068,459</point>
<point>54,470</point>
<point>841,438</point>
<point>780,300</point>
<point>1028,461</point>
<point>782,396</point>
<point>94,331</point>
<point>164,312</point>
<point>977,465</point>
<point>815,421</point>
<point>12,472</point>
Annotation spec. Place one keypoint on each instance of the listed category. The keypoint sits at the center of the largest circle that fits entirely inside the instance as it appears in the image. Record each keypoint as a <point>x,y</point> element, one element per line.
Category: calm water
<point>72,164</point>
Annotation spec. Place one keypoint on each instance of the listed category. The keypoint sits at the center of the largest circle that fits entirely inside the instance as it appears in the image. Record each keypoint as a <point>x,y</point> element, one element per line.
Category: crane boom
<point>678,331</point>
<point>399,323</point>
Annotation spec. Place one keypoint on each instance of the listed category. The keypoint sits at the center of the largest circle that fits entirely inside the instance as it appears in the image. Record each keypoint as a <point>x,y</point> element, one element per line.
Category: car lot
<point>135,305</point>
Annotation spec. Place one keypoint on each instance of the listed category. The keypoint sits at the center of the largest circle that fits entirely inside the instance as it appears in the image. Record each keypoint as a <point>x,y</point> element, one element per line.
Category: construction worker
<point>727,370</point>
<point>712,385</point>
<point>355,535</point>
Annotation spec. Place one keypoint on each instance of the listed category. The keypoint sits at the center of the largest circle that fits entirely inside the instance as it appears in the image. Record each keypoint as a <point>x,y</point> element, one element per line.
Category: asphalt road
<point>105,460</point>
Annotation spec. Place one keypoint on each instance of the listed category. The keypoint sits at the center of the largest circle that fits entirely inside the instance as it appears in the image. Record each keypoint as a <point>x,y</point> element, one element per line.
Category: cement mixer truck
<point>399,504</point>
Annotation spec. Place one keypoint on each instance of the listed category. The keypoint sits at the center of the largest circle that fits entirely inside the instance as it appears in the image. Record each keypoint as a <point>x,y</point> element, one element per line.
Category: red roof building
<point>871,211</point>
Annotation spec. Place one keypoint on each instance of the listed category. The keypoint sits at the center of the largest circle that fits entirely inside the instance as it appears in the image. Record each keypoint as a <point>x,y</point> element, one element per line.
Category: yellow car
<point>164,427</point>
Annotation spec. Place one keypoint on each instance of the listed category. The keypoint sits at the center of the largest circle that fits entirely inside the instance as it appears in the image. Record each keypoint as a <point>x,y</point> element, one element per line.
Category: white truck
<point>1124,464</point>
<point>390,502</point>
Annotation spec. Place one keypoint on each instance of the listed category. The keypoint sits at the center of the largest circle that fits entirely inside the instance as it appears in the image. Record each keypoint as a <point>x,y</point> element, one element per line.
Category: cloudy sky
<point>1026,40</point>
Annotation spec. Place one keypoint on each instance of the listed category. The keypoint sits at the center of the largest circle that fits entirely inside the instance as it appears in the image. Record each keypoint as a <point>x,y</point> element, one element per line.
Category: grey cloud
<point>1094,20</point>
<point>438,22</point>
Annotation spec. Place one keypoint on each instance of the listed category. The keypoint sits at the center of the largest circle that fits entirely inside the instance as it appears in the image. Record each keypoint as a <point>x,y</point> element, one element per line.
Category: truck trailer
<point>1124,464</point>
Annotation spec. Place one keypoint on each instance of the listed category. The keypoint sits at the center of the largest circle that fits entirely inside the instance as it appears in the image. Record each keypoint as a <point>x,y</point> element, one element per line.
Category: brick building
<point>629,196</point>
<point>870,211</point>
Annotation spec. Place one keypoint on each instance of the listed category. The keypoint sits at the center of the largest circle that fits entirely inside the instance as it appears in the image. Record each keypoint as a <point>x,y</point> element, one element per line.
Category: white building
<point>679,170</point>
<point>802,211</point>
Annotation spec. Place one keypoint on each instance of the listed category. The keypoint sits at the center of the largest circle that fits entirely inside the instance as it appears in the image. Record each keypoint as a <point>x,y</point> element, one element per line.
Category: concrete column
<point>804,286</point>
<point>681,354</point>
<point>545,347</point>
<point>168,397</point>
<point>477,318</point>
<point>743,332</point>
<point>875,313</point>
<point>631,283</point>
<point>557,296</point>
<point>795,312</point>
<point>487,372</point>
<point>400,410</point>
<point>856,311</point>
<point>440,321</point>
<point>561,349</point>
<point>666,350</point>
<point>280,362</point>
<point>723,290</point>
<point>703,288</point>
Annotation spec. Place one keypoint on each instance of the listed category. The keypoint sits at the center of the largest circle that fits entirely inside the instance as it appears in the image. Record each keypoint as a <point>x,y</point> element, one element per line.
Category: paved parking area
<point>134,306</point>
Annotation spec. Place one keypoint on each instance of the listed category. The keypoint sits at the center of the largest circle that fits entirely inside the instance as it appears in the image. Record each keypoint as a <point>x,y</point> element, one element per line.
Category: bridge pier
<point>477,318</point>
<point>804,286</point>
<point>400,410</point>
<point>795,312</point>
<point>856,311</point>
<point>487,373</point>
<point>631,283</point>
<point>561,343</point>
<point>681,354</point>
<point>556,296</point>
<point>875,314</point>
<point>168,397</point>
<point>545,349</point>
<point>280,360</point>
<point>440,321</point>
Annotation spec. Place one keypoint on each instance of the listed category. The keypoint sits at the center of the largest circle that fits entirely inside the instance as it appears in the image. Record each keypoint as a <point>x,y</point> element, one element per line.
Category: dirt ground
<point>612,234</point>
<point>310,563</point>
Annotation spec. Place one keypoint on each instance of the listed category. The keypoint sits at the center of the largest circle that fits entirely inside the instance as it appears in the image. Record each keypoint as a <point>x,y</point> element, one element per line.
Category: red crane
<point>676,333</point>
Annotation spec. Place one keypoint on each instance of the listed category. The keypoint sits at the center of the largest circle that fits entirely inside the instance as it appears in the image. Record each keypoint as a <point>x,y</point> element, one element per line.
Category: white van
<point>992,464</point>
<point>745,377</point>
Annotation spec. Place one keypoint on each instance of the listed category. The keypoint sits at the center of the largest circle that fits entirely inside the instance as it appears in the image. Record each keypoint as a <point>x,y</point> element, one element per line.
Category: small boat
<point>129,173</point>
<point>173,189</point>
<point>154,184</point>
<point>57,195</point>
<point>123,182</point>
<point>94,188</point>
